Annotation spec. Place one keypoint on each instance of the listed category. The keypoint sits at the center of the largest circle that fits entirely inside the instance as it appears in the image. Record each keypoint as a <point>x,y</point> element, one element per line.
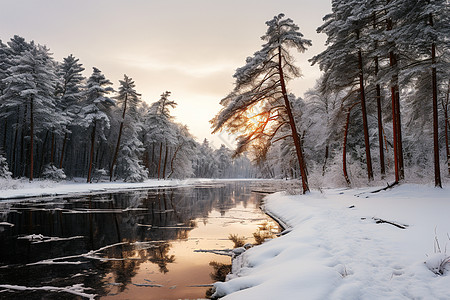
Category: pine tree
<point>160,130</point>
<point>127,96</point>
<point>261,86</point>
<point>32,82</point>
<point>94,111</point>
<point>128,153</point>
<point>70,93</point>
<point>342,61</point>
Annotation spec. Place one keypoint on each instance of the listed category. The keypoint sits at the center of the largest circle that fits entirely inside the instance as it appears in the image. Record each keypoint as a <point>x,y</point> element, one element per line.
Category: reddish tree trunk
<point>295,136</point>
<point>394,133</point>
<point>364,116</point>
<point>446,122</point>
<point>437,169</point>
<point>344,147</point>
<point>379,108</point>
<point>396,121</point>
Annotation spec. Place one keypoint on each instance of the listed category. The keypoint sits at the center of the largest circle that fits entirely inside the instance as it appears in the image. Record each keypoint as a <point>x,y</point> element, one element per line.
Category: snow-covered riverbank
<point>15,189</point>
<point>336,249</point>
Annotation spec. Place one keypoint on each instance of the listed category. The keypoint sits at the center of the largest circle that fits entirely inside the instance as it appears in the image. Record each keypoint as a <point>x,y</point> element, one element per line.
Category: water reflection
<point>137,244</point>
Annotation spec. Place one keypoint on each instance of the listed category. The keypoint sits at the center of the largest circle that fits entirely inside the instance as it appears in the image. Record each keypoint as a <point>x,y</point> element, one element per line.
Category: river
<point>141,244</point>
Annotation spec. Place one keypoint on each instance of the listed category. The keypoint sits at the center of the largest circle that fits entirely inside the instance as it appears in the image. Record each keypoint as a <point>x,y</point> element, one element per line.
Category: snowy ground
<point>336,250</point>
<point>15,189</point>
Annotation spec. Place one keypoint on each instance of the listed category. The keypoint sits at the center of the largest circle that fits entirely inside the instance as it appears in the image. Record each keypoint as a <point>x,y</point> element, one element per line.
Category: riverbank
<point>13,189</point>
<point>350,244</point>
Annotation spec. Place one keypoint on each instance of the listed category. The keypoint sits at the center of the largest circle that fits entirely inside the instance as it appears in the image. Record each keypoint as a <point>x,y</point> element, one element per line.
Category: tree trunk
<point>344,146</point>
<point>295,136</point>
<point>401,168</point>
<point>396,121</point>
<point>31,138</point>
<point>379,108</point>
<point>364,116</point>
<point>159,163</point>
<point>62,151</point>
<point>13,164</point>
<point>22,163</point>
<point>116,152</point>
<point>42,163</point>
<point>437,169</point>
<point>327,150</point>
<point>165,161</point>
<point>173,159</point>
<point>52,152</point>
<point>91,157</point>
<point>394,134</point>
<point>4,134</point>
<point>446,123</point>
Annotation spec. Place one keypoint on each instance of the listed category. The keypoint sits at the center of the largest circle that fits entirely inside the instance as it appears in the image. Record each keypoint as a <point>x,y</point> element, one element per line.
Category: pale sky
<point>189,47</point>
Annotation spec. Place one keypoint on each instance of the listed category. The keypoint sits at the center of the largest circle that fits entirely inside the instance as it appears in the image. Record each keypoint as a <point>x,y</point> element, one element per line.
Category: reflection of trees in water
<point>122,271</point>
<point>106,219</point>
<point>161,257</point>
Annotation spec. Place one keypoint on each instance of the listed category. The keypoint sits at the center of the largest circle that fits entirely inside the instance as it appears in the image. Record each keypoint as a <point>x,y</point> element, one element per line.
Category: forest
<point>57,124</point>
<point>379,112</point>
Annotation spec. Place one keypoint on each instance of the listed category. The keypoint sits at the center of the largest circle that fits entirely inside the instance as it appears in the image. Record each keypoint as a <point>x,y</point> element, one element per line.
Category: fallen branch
<point>401,226</point>
<point>385,188</point>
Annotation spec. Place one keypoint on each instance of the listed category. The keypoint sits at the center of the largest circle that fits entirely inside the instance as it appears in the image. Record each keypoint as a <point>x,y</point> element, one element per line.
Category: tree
<point>93,113</point>
<point>70,92</point>
<point>127,96</point>
<point>259,106</point>
<point>342,61</point>
<point>425,24</point>
<point>160,129</point>
<point>32,81</point>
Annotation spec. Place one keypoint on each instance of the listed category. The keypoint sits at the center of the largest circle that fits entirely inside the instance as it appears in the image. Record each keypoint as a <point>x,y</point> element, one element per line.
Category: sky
<point>188,47</point>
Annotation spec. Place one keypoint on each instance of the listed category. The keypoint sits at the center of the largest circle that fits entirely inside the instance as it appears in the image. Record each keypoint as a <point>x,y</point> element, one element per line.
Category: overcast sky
<point>188,47</point>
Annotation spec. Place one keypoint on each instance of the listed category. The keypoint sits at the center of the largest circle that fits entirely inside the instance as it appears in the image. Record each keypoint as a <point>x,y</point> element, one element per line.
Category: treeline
<point>55,123</point>
<point>380,109</point>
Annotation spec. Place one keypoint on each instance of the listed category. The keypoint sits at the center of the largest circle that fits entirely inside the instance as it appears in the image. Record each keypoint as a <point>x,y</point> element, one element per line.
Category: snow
<point>77,289</point>
<point>334,246</point>
<point>335,249</point>
<point>17,189</point>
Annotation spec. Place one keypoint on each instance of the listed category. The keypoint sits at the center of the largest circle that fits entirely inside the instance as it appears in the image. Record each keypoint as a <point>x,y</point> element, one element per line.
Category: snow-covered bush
<point>100,174</point>
<point>438,263</point>
<point>53,173</point>
<point>4,169</point>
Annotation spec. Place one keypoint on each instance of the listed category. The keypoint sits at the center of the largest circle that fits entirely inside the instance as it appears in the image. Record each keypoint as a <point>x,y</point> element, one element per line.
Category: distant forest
<point>379,111</point>
<point>57,124</point>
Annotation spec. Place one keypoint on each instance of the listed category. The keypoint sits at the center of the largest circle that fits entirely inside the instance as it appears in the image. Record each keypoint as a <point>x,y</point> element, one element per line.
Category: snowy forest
<point>378,112</point>
<point>57,124</point>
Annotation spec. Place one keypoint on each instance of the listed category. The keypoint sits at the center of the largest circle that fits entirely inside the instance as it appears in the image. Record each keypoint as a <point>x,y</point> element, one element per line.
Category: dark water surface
<point>123,245</point>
